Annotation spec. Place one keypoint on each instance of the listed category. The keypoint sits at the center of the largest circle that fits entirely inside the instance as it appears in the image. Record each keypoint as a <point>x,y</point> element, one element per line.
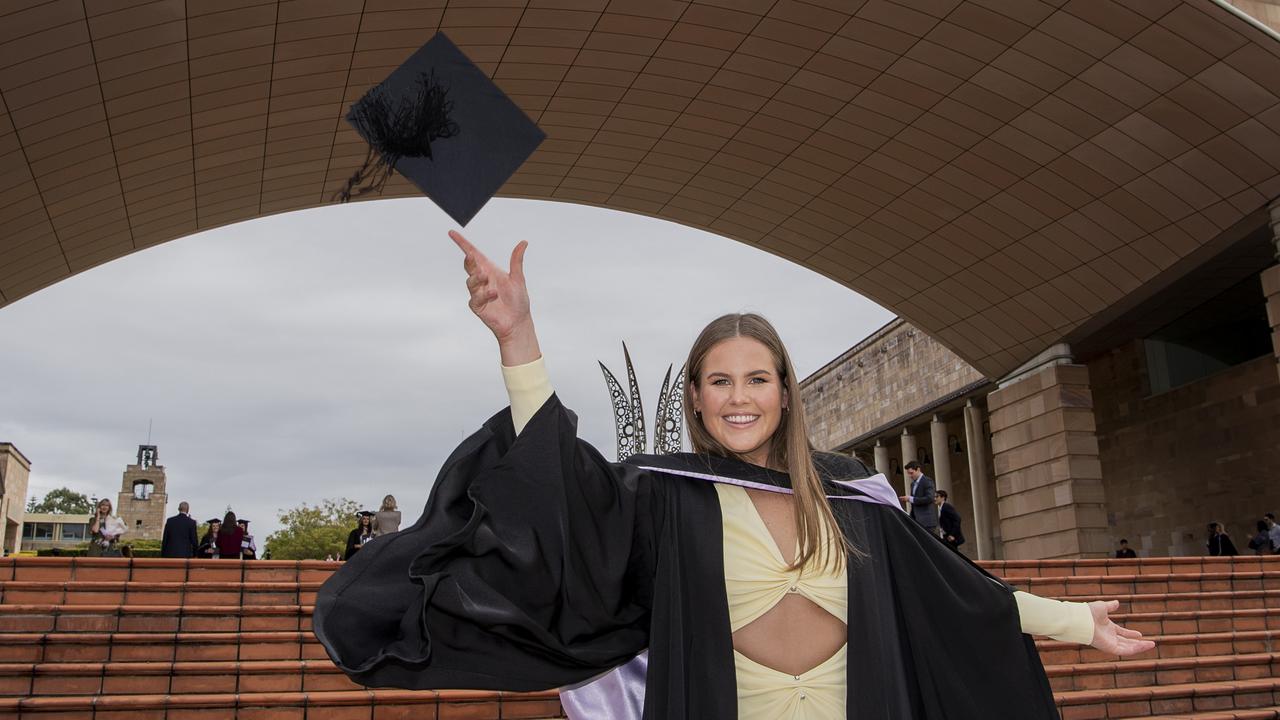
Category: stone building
<point>15,471</point>
<point>143,497</point>
<point>1145,427</point>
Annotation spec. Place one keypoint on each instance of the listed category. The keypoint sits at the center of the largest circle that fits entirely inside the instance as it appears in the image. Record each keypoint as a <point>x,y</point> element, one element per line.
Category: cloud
<point>330,352</point>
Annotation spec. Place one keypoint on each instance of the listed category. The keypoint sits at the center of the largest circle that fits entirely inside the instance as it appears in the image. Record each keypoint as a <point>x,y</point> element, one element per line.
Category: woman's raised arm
<point>501,300</point>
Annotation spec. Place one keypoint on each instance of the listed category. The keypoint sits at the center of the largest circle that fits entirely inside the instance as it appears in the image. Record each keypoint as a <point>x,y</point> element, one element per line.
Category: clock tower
<point>142,497</point>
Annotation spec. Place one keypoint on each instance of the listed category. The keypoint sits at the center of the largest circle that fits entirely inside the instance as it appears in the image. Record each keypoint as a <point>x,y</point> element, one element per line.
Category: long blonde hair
<point>388,503</point>
<point>813,516</point>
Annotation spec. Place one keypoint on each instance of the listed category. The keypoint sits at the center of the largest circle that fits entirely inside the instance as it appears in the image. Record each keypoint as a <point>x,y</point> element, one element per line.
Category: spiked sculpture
<point>628,412</point>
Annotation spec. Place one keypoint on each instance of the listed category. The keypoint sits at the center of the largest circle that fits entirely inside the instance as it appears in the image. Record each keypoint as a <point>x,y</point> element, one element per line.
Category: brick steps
<point>152,618</point>
<point>1162,671</point>
<point>1181,602</point>
<point>1149,584</point>
<point>1170,699</point>
<point>1137,566</point>
<point>159,678</point>
<point>1053,652</point>
<point>100,639</point>
<point>1268,713</point>
<point>78,592</point>
<point>350,704</point>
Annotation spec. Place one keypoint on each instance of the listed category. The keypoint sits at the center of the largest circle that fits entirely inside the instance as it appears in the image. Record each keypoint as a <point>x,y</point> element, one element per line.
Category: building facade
<point>1147,427</point>
<point>15,473</point>
<point>46,531</point>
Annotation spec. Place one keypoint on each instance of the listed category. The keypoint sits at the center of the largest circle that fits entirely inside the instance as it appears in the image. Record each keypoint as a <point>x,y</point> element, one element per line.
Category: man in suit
<point>179,539</point>
<point>949,522</point>
<point>923,509</point>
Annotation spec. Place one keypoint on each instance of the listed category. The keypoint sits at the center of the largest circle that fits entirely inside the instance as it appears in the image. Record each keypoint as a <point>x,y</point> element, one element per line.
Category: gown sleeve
<point>530,568</point>
<point>351,544</point>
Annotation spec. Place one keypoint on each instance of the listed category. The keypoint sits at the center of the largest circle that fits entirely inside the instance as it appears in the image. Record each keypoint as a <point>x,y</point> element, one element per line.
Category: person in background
<point>920,503</point>
<point>105,530</point>
<point>179,538</point>
<point>1220,542</point>
<point>229,537</point>
<point>362,534</point>
<point>1273,530</point>
<point>208,549</point>
<point>1125,551</point>
<point>1260,543</point>
<point>387,520</point>
<point>248,547</point>
<point>949,522</point>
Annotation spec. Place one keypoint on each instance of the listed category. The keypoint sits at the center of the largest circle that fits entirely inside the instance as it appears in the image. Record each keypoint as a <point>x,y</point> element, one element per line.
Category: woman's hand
<point>501,300</point>
<point>1109,637</point>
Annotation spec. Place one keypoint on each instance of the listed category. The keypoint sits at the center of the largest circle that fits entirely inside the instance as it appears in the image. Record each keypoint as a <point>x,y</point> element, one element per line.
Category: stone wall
<point>895,372</point>
<point>1209,450</point>
<point>144,518</point>
<point>1266,12</point>
<point>15,473</point>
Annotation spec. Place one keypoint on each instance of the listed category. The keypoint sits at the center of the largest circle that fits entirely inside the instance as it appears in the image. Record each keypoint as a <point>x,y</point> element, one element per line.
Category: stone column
<point>909,452</point>
<point>1271,285</point>
<point>941,454</point>
<point>882,460</point>
<point>979,482</point>
<point>1048,477</point>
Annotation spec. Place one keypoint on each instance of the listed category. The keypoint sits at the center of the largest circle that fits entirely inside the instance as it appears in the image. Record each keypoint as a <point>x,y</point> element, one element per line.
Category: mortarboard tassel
<point>395,129</point>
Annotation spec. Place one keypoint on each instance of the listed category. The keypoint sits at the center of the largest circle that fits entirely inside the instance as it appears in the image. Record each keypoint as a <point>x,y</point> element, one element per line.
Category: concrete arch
<point>1000,172</point>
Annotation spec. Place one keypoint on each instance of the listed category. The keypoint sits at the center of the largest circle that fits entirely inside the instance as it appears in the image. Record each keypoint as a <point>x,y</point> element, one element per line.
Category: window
<point>74,531</point>
<point>37,531</point>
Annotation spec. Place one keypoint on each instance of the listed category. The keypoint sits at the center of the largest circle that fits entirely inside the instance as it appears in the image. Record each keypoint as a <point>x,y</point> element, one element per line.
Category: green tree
<point>63,501</point>
<point>312,532</point>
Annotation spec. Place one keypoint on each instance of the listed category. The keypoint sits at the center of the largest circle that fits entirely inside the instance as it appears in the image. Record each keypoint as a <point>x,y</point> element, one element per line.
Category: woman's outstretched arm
<point>501,301</point>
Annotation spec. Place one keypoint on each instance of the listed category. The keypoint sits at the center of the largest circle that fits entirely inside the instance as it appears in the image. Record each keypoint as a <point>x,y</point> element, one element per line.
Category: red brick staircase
<point>92,639</point>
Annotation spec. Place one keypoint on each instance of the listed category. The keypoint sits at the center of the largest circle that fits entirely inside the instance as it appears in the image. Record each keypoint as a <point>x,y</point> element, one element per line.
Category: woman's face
<point>104,507</point>
<point>215,527</point>
<point>740,397</point>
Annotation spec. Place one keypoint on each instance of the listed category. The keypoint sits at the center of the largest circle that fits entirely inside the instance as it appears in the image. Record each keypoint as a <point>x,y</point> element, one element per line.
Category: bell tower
<point>142,497</point>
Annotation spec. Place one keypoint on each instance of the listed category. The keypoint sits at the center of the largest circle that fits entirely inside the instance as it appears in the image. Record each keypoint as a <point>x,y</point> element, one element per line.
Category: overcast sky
<point>330,353</point>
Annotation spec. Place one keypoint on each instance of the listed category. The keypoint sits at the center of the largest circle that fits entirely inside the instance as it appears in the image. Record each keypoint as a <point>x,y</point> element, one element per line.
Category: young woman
<point>764,579</point>
<point>229,537</point>
<point>387,520</point>
<point>362,534</point>
<point>105,530</point>
<point>1219,542</point>
<point>208,549</point>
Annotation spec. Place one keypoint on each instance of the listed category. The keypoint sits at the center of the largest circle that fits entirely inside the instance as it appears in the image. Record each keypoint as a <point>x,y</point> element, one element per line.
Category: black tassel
<point>395,128</point>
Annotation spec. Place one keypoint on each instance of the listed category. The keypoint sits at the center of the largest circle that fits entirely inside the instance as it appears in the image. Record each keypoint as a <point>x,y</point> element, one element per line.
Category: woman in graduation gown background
<point>538,564</point>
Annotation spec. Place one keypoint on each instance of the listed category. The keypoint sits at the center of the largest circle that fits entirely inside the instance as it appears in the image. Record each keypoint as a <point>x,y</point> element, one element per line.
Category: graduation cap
<point>441,122</point>
<point>366,513</point>
<point>242,521</point>
<point>215,520</point>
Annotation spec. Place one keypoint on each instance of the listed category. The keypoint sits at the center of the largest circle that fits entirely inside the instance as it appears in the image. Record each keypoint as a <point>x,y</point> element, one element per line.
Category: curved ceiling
<point>996,171</point>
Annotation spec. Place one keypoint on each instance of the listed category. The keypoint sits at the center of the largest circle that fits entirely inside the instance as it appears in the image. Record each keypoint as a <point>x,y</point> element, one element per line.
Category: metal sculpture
<point>628,412</point>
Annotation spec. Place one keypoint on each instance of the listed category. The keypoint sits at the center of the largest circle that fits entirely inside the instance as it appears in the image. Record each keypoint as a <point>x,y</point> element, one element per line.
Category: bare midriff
<point>795,635</point>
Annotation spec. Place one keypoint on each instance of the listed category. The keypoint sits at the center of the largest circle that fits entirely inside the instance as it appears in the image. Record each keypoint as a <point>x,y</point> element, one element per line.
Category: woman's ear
<point>697,398</point>
<point>786,399</point>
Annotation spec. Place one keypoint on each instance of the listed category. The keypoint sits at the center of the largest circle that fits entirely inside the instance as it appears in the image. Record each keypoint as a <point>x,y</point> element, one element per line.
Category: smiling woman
<point>725,583</point>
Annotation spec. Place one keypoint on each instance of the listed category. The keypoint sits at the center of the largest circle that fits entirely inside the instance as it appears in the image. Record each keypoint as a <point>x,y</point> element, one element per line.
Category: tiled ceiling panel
<point>997,171</point>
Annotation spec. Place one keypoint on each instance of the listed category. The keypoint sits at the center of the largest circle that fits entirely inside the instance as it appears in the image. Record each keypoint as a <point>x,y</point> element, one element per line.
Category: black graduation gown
<point>353,538</point>
<point>537,564</point>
